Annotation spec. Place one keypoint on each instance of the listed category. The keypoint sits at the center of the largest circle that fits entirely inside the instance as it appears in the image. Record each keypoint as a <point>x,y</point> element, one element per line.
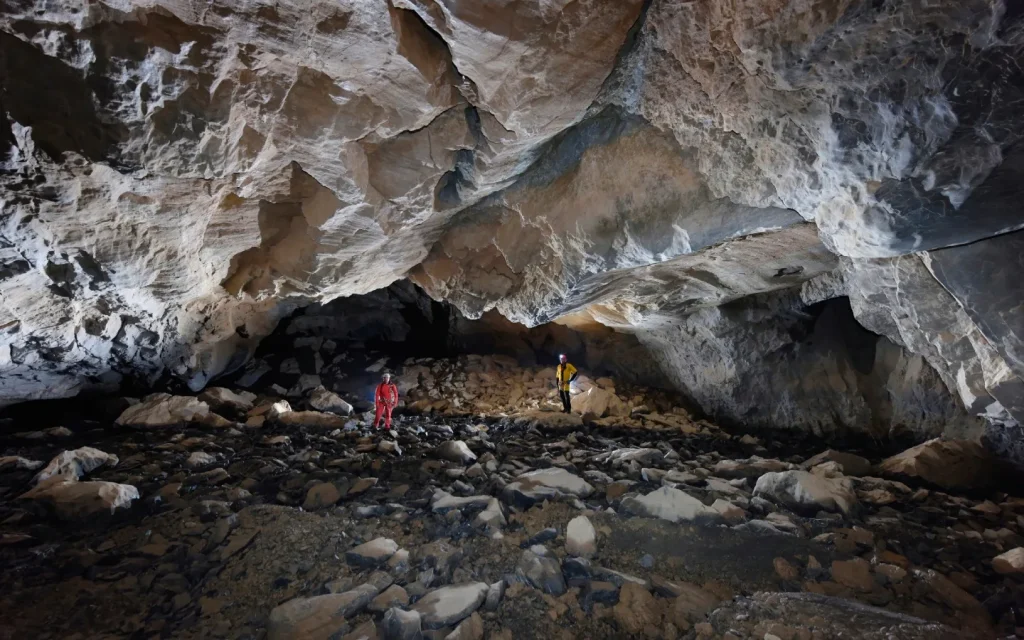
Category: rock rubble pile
<point>245,518</point>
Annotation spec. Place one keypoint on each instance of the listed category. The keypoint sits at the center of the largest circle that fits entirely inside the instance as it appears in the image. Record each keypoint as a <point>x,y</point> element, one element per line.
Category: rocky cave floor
<point>254,520</point>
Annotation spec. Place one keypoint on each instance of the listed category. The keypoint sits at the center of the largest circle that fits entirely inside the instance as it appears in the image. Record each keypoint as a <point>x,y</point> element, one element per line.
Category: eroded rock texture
<point>743,186</point>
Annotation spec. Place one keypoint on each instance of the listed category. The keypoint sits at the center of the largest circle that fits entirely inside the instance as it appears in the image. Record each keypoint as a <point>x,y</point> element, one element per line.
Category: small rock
<point>163,410</point>
<point>807,493</point>
<point>372,554</point>
<point>317,618</point>
<point>580,538</point>
<point>199,459</point>
<point>540,571</point>
<point>669,503</point>
<point>1010,562</point>
<point>72,499</point>
<point>321,496</point>
<point>472,628</point>
<point>448,605</point>
<point>322,399</point>
<point>401,625</point>
<point>855,574</point>
<point>393,596</point>
<point>72,465</point>
<point>785,570</point>
<point>455,451</point>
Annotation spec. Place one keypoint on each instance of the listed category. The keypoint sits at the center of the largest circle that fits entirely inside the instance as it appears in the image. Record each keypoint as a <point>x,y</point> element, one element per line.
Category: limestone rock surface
<point>809,219</point>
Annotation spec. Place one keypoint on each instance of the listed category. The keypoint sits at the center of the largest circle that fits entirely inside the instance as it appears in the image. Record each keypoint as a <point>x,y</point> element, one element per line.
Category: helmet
<point>386,377</point>
<point>562,358</point>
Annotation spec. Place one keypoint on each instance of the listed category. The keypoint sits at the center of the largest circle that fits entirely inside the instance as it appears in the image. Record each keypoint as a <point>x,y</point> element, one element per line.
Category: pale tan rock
<point>855,574</point>
<point>953,464</point>
<point>74,464</point>
<point>1010,562</point>
<point>163,410</point>
<point>71,499</point>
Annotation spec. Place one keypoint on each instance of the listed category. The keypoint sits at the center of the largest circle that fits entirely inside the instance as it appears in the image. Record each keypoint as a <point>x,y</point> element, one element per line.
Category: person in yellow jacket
<point>565,373</point>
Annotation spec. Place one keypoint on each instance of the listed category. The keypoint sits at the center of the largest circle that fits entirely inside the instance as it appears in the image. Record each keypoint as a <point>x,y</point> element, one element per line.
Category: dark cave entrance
<point>347,343</point>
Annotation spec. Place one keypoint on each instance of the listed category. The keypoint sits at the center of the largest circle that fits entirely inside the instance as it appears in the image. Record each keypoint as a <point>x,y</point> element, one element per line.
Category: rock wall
<point>771,361</point>
<point>176,177</point>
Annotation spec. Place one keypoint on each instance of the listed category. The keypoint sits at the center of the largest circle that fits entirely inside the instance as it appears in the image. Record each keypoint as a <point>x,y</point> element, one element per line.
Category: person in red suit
<point>385,399</point>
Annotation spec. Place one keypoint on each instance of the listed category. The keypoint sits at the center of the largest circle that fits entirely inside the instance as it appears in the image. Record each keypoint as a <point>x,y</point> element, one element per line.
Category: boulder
<point>455,451</point>
<point>309,419</point>
<point>580,538</point>
<point>852,464</point>
<point>278,409</point>
<point>541,570</point>
<point>643,456</point>
<point>807,493</point>
<point>446,606</point>
<point>951,464</point>
<point>750,468</point>
<point>163,410</point>
<point>855,573</point>
<point>199,459</point>
<point>443,502</point>
<point>322,399</point>
<point>372,554</point>
<point>317,618</point>
<point>227,401</point>
<point>545,484</point>
<point>1010,562</point>
<point>690,603</point>
<point>472,628</point>
<point>401,625</point>
<point>17,463</point>
<point>599,403</point>
<point>321,496</point>
<point>669,503</point>
<point>636,611</point>
<point>393,596</point>
<point>72,465</point>
<point>71,499</point>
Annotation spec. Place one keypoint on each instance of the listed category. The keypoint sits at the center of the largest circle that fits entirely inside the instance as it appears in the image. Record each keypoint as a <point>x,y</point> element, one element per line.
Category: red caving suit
<point>385,399</point>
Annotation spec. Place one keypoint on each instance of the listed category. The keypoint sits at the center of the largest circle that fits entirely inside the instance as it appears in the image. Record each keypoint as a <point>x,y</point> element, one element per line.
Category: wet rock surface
<point>633,527</point>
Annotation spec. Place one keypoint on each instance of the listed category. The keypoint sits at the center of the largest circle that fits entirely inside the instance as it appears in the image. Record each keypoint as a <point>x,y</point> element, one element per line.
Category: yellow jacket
<point>563,374</point>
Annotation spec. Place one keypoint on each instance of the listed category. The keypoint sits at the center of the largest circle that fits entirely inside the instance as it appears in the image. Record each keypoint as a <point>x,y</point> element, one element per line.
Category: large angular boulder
<point>323,399</point>
<point>751,468</point>
<point>446,606</point>
<point>545,484</point>
<point>599,403</point>
<point>371,554</point>
<point>228,401</point>
<point>455,451</point>
<point>71,499</point>
<point>806,492</point>
<point>317,618</point>
<point>951,464</point>
<point>852,464</point>
<point>163,410</point>
<point>74,464</point>
<point>1010,562</point>
<point>669,503</point>
<point>541,570</point>
<point>308,419</point>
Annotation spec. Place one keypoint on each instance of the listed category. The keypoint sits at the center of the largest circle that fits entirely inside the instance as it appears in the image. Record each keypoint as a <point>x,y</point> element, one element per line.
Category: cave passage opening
<point>346,344</point>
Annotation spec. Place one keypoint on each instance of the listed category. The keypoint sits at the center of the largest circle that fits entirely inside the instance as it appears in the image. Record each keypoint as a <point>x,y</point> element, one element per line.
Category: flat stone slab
<point>674,505</point>
<point>373,553</point>
<point>446,606</point>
